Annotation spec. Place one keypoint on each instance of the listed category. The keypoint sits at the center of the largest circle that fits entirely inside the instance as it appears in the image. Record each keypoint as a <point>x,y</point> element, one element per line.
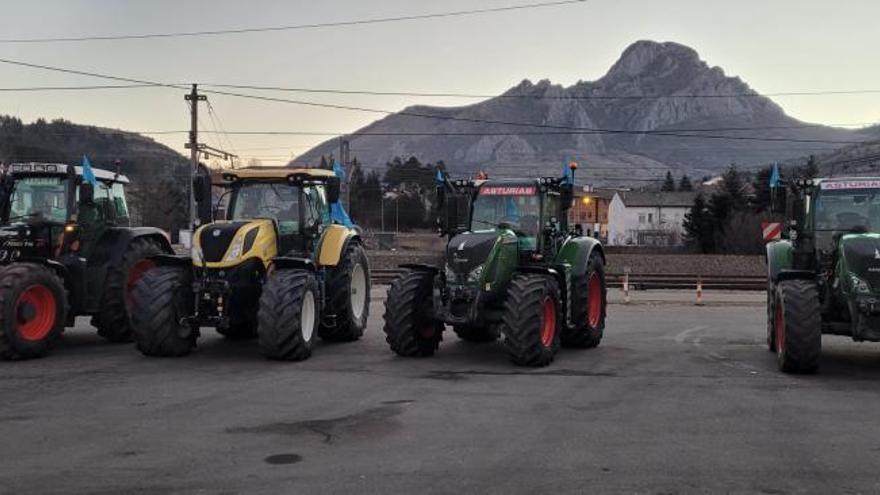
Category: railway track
<point>643,281</point>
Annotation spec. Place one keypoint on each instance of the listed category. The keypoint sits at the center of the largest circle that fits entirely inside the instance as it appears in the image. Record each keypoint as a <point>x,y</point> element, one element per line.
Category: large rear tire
<point>160,302</point>
<point>410,329</point>
<point>288,317</point>
<point>798,326</point>
<point>112,321</point>
<point>532,319</point>
<point>771,317</point>
<point>33,306</point>
<point>348,296</point>
<point>589,304</point>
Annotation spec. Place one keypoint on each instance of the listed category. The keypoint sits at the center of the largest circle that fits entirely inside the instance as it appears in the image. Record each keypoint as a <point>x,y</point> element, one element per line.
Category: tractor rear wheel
<point>161,300</point>
<point>476,334</point>
<point>112,321</point>
<point>531,321</point>
<point>33,306</point>
<point>797,326</point>
<point>348,296</point>
<point>589,302</point>
<point>771,317</point>
<point>288,316</point>
<point>410,328</point>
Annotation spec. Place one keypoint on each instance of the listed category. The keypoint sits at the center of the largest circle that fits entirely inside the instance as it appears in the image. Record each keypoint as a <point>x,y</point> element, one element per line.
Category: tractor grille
<point>215,238</point>
<point>468,251</point>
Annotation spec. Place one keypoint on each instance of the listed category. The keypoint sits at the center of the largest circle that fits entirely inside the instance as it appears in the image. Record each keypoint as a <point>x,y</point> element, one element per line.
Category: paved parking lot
<point>677,399</point>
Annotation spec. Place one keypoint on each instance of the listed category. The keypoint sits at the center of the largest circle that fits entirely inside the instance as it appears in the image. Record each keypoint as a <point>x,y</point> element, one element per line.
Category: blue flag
<point>88,173</point>
<point>774,176</point>
<point>439,177</point>
<point>569,174</point>
<point>337,212</point>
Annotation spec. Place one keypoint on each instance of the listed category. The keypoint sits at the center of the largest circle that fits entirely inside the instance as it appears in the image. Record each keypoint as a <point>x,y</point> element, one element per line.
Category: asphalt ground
<point>677,399</point>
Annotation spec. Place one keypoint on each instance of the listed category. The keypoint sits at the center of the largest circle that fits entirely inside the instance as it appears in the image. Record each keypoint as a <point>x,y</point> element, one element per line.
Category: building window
<point>650,218</point>
<point>641,218</point>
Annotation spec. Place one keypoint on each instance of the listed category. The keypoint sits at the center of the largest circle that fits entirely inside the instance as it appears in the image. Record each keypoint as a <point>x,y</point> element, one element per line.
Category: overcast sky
<point>775,46</point>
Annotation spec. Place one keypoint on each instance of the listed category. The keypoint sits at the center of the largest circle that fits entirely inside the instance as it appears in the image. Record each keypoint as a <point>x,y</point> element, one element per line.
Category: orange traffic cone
<point>699,291</point>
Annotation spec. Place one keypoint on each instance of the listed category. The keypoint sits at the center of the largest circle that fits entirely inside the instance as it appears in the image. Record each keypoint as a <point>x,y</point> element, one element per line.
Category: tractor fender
<point>419,267</point>
<point>576,252</point>
<point>291,263</point>
<point>333,244</point>
<point>780,257</point>
<point>111,246</point>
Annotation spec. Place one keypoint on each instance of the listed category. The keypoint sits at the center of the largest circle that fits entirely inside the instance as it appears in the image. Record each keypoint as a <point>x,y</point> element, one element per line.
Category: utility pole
<point>195,148</point>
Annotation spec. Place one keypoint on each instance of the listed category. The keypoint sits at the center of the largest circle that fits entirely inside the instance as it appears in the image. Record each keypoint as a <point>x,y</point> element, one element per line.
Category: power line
<point>679,133</point>
<point>76,88</point>
<point>357,22</point>
<point>539,97</point>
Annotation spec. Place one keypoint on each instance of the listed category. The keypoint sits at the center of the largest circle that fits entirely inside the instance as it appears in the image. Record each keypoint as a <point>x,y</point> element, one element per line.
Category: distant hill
<point>156,171</point>
<point>667,72</point>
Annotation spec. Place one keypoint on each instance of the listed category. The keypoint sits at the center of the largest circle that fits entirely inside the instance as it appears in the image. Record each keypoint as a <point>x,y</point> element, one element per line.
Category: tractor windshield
<point>517,207</point>
<point>278,201</point>
<point>848,209</point>
<point>38,197</point>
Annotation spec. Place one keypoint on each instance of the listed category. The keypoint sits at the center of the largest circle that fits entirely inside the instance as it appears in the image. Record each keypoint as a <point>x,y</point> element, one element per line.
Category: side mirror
<point>333,190</point>
<point>86,193</point>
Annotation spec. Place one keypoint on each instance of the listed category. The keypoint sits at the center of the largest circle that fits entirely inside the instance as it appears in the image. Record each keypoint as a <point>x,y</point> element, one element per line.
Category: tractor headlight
<point>859,285</point>
<point>196,253</point>
<point>235,249</point>
<point>475,274</point>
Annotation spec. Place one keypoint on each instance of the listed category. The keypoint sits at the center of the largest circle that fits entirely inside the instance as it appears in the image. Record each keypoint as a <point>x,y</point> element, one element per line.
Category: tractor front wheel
<point>410,328</point>
<point>288,317</point>
<point>589,302</point>
<point>112,321</point>
<point>33,305</point>
<point>797,326</point>
<point>532,319</point>
<point>348,296</point>
<point>161,301</point>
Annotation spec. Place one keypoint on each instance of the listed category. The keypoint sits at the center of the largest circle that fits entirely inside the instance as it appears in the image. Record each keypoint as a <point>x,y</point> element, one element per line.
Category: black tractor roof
<point>60,169</point>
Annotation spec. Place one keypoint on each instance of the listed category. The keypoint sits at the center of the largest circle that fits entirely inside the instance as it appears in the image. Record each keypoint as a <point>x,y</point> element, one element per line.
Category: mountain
<point>664,72</point>
<point>157,194</point>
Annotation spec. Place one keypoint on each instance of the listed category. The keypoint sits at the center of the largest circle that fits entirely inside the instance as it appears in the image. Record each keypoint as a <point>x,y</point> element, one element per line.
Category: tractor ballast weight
<point>66,250</point>
<point>511,269</point>
<point>823,277</point>
<point>277,267</point>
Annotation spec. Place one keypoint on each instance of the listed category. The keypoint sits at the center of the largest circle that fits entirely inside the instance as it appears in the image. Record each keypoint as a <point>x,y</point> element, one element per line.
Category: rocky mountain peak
<point>652,58</point>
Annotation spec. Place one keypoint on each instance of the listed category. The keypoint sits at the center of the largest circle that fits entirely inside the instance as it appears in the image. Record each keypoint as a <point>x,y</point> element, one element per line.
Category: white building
<point>648,218</point>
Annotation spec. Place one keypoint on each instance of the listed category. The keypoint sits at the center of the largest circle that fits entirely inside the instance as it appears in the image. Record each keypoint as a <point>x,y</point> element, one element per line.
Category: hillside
<point>157,192</point>
<point>664,72</point>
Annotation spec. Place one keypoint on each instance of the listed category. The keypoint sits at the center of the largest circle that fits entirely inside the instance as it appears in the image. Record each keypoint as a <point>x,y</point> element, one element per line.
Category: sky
<point>775,46</point>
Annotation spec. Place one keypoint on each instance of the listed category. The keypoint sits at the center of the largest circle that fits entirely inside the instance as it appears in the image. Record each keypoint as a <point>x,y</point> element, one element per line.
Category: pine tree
<point>699,227</point>
<point>668,183</point>
<point>811,169</point>
<point>685,184</point>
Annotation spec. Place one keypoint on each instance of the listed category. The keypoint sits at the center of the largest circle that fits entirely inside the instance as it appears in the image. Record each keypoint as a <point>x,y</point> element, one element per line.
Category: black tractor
<point>66,250</point>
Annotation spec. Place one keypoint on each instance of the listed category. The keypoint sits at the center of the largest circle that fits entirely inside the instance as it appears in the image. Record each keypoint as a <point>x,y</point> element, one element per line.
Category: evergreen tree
<point>699,227</point>
<point>811,169</point>
<point>668,183</point>
<point>685,184</point>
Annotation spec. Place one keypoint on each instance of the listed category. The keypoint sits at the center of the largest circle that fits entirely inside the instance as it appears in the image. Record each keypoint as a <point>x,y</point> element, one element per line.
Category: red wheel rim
<point>135,274</point>
<point>594,300</point>
<point>427,332</point>
<point>548,330</point>
<point>35,312</point>
<point>779,328</point>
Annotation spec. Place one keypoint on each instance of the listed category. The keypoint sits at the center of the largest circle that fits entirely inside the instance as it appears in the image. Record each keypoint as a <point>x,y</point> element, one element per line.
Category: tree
<point>733,184</point>
<point>762,198</point>
<point>685,184</point>
<point>668,183</point>
<point>699,227</point>
<point>811,169</point>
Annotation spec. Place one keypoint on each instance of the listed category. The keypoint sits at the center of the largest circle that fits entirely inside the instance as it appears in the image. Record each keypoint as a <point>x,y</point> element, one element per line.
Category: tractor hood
<point>862,255</point>
<point>467,251</point>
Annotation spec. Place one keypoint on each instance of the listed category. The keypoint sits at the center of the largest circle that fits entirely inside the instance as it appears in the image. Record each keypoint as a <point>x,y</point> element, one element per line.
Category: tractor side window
<point>119,203</point>
<point>318,209</point>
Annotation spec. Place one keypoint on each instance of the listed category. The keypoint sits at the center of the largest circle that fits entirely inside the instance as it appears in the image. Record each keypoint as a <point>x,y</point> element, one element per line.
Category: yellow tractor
<point>284,265</point>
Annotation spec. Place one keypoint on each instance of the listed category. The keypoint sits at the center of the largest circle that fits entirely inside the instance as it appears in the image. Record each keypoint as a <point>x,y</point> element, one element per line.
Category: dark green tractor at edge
<point>511,271</point>
<point>824,275</point>
<point>66,250</point>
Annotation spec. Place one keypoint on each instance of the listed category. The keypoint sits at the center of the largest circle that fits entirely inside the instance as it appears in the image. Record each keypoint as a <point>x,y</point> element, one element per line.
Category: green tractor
<point>824,276</point>
<point>512,271</point>
<point>66,249</point>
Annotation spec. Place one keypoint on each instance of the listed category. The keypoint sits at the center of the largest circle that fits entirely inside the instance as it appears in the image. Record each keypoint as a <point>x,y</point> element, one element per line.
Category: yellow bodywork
<point>332,243</point>
<point>265,246</point>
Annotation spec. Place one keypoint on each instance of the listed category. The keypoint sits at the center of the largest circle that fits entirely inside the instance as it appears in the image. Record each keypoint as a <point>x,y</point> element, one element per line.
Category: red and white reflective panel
<point>850,184</point>
<point>772,231</point>
<point>507,190</point>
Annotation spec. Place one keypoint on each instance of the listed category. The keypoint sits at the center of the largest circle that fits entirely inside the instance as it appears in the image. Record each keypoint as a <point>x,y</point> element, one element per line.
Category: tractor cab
<point>47,210</point>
